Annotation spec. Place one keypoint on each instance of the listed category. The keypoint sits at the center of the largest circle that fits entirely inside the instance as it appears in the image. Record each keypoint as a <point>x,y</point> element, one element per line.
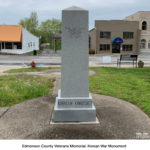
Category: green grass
<point>17,88</point>
<point>30,69</point>
<point>129,84</point>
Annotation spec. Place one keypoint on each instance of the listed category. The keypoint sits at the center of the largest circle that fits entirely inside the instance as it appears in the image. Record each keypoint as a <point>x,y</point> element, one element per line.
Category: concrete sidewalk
<point>31,120</point>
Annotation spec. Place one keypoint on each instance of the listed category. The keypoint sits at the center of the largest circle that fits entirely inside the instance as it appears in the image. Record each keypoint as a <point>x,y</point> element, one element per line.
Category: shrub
<point>91,51</point>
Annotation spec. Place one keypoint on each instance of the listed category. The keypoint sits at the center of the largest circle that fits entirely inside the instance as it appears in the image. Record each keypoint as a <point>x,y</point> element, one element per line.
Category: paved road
<point>56,60</point>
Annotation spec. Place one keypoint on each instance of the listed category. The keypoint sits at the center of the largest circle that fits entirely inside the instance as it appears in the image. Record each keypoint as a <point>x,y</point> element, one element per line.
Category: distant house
<point>15,39</point>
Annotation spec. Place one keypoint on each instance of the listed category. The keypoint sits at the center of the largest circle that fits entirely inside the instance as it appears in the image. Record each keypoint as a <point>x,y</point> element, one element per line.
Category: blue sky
<point>11,11</point>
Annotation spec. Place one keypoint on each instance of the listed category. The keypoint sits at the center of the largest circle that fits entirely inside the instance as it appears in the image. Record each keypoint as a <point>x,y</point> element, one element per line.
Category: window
<point>104,47</point>
<point>89,42</point>
<point>149,44</point>
<point>128,35</point>
<point>18,45</point>
<point>3,47</point>
<point>143,43</point>
<point>127,47</point>
<point>105,35</point>
<point>8,45</point>
<point>144,25</point>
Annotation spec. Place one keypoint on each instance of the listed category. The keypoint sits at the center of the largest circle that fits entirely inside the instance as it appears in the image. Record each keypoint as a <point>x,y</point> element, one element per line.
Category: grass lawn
<point>17,88</point>
<point>129,84</point>
<point>30,69</point>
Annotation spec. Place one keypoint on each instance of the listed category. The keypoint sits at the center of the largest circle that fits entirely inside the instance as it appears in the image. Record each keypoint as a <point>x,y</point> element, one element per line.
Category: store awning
<point>117,40</point>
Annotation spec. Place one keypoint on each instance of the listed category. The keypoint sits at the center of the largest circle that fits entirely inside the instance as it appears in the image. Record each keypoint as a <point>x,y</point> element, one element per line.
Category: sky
<point>11,11</point>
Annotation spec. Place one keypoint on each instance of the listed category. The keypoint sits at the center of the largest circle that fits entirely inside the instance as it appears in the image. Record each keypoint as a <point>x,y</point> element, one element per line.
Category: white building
<point>15,39</point>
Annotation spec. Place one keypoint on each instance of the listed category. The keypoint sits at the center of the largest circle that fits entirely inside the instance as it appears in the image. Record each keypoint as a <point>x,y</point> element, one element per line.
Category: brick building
<point>131,35</point>
<point>143,17</point>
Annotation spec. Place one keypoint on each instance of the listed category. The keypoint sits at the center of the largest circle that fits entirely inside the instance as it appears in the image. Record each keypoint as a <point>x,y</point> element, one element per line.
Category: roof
<point>92,29</point>
<point>142,12</point>
<point>139,13</point>
<point>114,21</point>
<point>10,33</point>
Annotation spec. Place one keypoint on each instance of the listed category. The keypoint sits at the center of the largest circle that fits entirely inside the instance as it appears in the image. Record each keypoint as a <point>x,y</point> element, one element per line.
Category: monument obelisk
<point>74,102</point>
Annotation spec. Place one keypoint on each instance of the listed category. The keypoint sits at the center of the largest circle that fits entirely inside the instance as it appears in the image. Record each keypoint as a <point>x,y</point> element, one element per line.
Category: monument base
<point>74,109</point>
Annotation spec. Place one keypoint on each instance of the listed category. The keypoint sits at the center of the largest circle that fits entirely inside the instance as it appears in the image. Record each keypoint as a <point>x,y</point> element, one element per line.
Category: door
<point>116,48</point>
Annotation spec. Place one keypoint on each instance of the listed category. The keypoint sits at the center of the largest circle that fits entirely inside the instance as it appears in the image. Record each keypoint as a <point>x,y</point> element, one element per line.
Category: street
<point>96,60</point>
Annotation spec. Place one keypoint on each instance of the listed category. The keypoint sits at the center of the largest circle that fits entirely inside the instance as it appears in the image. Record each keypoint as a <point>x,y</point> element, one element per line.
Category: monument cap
<point>74,8</point>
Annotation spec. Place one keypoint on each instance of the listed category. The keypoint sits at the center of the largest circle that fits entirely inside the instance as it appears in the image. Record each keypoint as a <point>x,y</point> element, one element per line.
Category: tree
<point>48,28</point>
<point>45,30</point>
<point>31,23</point>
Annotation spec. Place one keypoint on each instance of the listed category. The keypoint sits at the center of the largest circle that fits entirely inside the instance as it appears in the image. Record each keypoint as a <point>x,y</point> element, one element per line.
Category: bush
<point>91,51</point>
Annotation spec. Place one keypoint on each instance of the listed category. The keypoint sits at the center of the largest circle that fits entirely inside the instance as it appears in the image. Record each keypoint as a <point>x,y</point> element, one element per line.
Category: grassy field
<point>15,89</point>
<point>30,69</point>
<point>130,84</point>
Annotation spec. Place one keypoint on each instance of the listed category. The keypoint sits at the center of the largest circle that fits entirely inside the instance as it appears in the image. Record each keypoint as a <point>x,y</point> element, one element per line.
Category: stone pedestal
<point>74,103</point>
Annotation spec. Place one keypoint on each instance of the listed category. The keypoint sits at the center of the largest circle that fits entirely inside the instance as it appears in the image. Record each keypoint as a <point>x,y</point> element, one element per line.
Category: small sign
<point>106,59</point>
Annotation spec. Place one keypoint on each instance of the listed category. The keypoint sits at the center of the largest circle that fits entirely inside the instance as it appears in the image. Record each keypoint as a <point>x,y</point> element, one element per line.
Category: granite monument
<point>74,102</point>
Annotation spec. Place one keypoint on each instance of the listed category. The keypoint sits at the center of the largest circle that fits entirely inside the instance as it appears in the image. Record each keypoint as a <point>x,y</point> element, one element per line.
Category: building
<point>131,35</point>
<point>143,17</point>
<point>115,36</point>
<point>15,39</point>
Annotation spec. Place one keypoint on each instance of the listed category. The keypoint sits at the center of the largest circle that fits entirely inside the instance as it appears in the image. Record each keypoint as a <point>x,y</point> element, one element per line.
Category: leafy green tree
<point>45,30</point>
<point>48,28</point>
<point>31,23</point>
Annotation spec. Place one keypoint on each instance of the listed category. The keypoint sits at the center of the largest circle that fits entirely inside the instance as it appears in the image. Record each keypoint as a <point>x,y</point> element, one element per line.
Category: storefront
<point>116,44</point>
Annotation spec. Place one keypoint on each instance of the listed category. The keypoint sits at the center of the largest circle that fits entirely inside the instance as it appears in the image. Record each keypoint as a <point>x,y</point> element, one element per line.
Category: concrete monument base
<point>74,109</point>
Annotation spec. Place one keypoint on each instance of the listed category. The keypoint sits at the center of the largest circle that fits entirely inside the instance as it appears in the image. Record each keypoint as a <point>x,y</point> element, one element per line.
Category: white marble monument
<point>74,102</point>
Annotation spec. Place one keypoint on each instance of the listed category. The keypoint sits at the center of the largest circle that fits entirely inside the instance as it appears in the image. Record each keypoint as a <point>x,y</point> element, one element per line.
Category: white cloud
<point>5,3</point>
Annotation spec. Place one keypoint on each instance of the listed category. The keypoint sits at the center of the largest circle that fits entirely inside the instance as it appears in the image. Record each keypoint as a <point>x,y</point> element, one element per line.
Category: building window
<point>104,47</point>
<point>149,44</point>
<point>18,45</point>
<point>89,42</point>
<point>127,47</point>
<point>128,35</point>
<point>28,44</point>
<point>8,45</point>
<point>3,47</point>
<point>105,35</point>
<point>144,25</point>
<point>143,43</point>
